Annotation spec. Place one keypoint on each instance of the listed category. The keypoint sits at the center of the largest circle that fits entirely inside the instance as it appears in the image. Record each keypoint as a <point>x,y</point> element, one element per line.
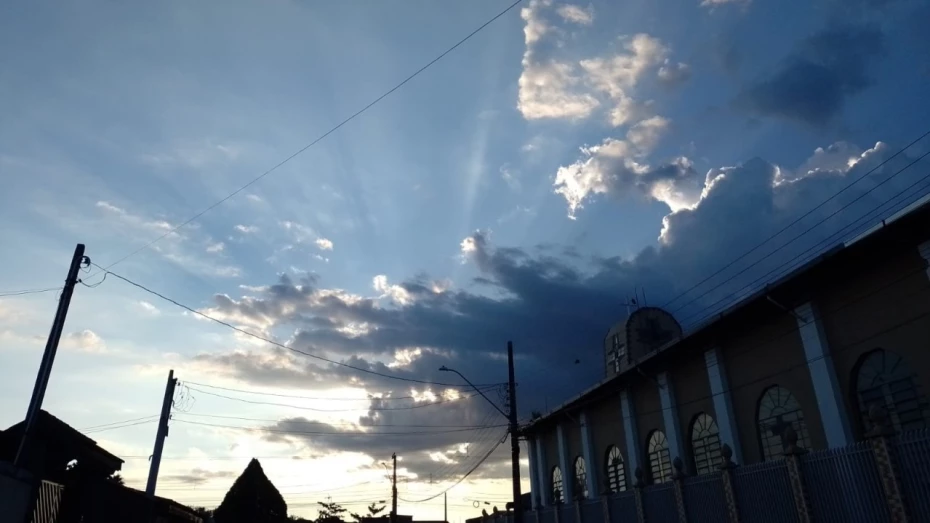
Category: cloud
<point>554,86</point>
<point>324,244</point>
<point>552,305</point>
<point>85,341</point>
<point>149,309</point>
<point>576,14</point>
<point>246,229</point>
<point>818,77</point>
<point>716,3</point>
<point>614,167</point>
<point>510,177</point>
<point>216,247</point>
<point>199,476</point>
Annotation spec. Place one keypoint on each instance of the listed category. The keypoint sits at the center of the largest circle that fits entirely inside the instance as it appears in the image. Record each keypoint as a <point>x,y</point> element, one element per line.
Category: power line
<point>411,407</point>
<point>331,433</point>
<point>281,345</point>
<point>834,213</point>
<point>815,250</point>
<point>117,422</point>
<point>5,294</point>
<point>785,228</point>
<point>94,431</point>
<point>321,137</point>
<point>310,422</point>
<point>261,393</point>
<point>483,459</point>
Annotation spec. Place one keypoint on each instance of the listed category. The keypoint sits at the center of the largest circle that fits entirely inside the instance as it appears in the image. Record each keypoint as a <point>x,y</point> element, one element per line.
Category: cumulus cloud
<point>576,14</point>
<point>198,476</point>
<point>552,306</point>
<point>715,3</point>
<point>556,86</point>
<point>246,229</point>
<point>85,341</point>
<point>149,309</point>
<point>324,244</point>
<point>818,77</point>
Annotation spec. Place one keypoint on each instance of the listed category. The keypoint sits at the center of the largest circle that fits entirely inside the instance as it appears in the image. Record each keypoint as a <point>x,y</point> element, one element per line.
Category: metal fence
<point>592,510</point>
<point>912,453</point>
<point>763,493</point>
<point>843,485</point>
<point>622,507</point>
<point>47,503</point>
<point>659,503</point>
<point>705,500</point>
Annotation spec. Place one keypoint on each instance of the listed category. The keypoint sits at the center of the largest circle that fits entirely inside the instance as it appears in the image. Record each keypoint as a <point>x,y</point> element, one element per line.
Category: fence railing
<point>48,502</point>
<point>883,479</point>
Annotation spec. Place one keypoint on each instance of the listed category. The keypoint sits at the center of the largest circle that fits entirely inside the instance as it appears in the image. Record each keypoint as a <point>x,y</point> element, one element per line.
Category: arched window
<point>616,473</point>
<point>581,484</point>
<point>660,463</point>
<point>705,444</point>
<point>884,379</point>
<point>778,410</point>
<point>558,493</point>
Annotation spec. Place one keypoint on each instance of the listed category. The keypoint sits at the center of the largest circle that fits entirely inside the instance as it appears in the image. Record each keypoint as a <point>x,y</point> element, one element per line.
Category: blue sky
<point>570,137</point>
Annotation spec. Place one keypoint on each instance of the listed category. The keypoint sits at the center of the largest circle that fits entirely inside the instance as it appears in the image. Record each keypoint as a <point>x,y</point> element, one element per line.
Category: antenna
<point>644,297</point>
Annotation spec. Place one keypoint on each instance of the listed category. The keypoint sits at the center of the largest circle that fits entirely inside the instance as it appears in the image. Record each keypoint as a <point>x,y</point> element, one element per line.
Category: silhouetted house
<point>72,471</point>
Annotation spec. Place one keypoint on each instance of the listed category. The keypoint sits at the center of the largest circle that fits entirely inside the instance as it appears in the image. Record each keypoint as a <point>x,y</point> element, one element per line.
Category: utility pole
<point>51,348</point>
<point>161,434</point>
<point>514,438</point>
<point>445,507</point>
<point>394,490</point>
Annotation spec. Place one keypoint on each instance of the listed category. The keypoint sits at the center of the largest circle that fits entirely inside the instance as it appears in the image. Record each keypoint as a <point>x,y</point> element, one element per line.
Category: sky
<point>524,187</point>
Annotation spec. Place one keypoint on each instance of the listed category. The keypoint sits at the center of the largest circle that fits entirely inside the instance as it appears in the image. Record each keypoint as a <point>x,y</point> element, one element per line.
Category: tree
<point>373,511</point>
<point>330,512</point>
<point>252,499</point>
<point>116,478</point>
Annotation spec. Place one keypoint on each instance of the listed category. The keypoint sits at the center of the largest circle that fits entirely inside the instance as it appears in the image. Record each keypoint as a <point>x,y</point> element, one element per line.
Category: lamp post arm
<point>498,409</point>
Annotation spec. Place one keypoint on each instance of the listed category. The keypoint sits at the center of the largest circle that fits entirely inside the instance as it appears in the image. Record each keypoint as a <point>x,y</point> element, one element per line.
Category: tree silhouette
<point>330,512</point>
<point>252,499</point>
<point>116,478</point>
<point>373,511</point>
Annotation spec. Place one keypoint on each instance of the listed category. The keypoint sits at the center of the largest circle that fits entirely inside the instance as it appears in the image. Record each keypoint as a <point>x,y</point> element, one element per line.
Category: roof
<point>912,216</point>
<point>59,436</point>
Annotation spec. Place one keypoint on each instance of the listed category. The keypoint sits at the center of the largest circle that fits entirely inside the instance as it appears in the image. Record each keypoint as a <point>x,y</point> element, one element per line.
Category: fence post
<point>638,494</point>
<point>879,437</point>
<point>793,455</point>
<point>677,476</point>
<point>577,511</point>
<point>558,512</point>
<point>726,477</point>
<point>605,507</point>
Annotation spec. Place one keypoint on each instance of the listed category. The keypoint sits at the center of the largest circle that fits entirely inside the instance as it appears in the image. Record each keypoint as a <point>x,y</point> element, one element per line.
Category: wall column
<point>924,250</point>
<point>590,463</point>
<point>670,418</point>
<point>567,473</point>
<point>723,403</point>
<point>823,377</point>
<point>632,436</point>
<point>534,477</point>
<point>542,472</point>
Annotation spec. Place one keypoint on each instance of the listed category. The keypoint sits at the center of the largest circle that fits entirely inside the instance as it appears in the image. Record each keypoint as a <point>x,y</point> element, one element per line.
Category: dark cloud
<point>555,308</point>
<point>199,476</point>
<point>818,78</point>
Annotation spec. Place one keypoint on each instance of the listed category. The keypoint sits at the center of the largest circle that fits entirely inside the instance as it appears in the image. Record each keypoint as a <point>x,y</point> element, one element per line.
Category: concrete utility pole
<point>161,434</point>
<point>394,490</point>
<point>514,438</point>
<point>445,507</point>
<point>51,348</point>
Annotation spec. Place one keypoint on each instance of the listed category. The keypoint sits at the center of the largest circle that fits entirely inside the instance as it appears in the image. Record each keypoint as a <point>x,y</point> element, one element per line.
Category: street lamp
<point>514,428</point>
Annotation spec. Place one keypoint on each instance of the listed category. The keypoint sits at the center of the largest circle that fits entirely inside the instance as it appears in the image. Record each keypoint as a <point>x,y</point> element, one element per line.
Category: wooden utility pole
<point>394,490</point>
<point>514,438</point>
<point>161,434</point>
<point>51,348</point>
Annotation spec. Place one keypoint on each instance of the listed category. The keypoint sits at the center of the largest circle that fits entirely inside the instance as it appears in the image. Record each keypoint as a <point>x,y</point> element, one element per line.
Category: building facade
<point>811,351</point>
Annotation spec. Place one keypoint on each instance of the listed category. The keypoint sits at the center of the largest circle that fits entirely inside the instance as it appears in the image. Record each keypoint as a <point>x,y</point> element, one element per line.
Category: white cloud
<point>85,340</point>
<point>510,177</point>
<point>645,134</point>
<point>396,293</point>
<point>674,73</point>
<point>576,14</point>
<point>254,198</point>
<point>715,3</point>
<point>216,247</point>
<point>246,229</point>
<point>324,244</point>
<point>148,308</point>
<point>552,90</point>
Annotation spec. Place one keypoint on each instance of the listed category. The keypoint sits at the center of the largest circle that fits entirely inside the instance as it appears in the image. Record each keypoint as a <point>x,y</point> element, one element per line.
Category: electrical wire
<point>296,396</point>
<point>369,408</point>
<point>6,294</point>
<point>118,422</point>
<point>321,137</point>
<point>794,222</point>
<point>331,433</point>
<point>804,232</point>
<point>310,422</point>
<point>470,471</point>
<point>281,345</point>
<point>94,431</point>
